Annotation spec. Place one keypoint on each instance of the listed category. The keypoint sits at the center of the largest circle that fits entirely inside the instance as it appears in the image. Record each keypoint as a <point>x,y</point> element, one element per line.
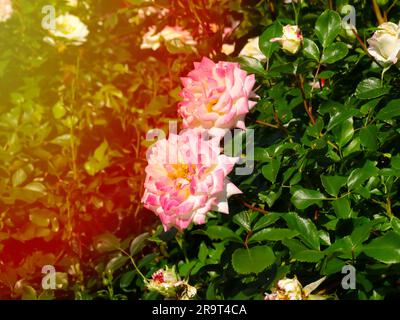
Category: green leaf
<point>221,232</point>
<point>270,171</point>
<point>126,279</point>
<point>116,263</point>
<point>59,110</point>
<point>252,260</point>
<point>18,177</point>
<point>340,117</point>
<point>342,208</point>
<point>311,50</point>
<point>267,47</point>
<point>327,27</point>
<point>396,224</point>
<point>308,255</point>
<point>332,184</point>
<point>344,132</point>
<point>244,219</point>
<point>106,242</point>
<point>392,110</point>
<point>358,176</point>
<point>138,243</point>
<point>361,234</point>
<point>99,160</point>
<point>37,187</point>
<point>368,137</point>
<point>267,220</point>
<point>203,252</point>
<point>251,65</point>
<point>303,198</point>
<point>371,88</point>
<point>273,234</point>
<point>342,247</point>
<point>385,249</point>
<point>307,230</point>
<point>334,52</point>
<point>270,197</point>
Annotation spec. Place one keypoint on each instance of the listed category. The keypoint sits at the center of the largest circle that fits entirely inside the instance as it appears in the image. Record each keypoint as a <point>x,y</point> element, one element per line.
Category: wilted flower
<point>251,49</point>
<point>216,95</point>
<point>186,178</point>
<point>167,283</point>
<point>291,39</point>
<point>384,45</point>
<point>71,28</point>
<point>6,10</point>
<point>291,289</point>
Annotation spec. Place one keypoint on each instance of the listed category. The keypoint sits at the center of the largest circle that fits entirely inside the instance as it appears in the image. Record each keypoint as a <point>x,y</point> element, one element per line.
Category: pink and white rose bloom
<point>186,177</point>
<point>216,95</point>
<point>291,39</point>
<point>384,45</point>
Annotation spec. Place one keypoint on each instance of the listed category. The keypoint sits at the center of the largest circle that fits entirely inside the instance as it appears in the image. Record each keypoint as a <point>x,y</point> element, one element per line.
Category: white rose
<point>384,45</point>
<point>251,49</point>
<point>291,39</point>
<point>177,38</point>
<point>70,28</point>
<point>6,10</point>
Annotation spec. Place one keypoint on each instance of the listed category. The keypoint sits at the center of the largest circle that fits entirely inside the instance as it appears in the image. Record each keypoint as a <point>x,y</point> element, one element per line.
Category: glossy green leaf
<point>252,260</point>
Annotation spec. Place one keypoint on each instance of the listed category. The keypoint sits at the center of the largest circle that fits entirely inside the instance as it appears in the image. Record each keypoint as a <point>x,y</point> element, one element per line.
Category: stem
<point>364,46</point>
<point>254,208</point>
<point>296,13</point>
<point>315,77</point>
<point>71,129</point>
<point>134,264</point>
<point>377,12</point>
<point>386,13</point>
<point>267,124</point>
<point>307,106</point>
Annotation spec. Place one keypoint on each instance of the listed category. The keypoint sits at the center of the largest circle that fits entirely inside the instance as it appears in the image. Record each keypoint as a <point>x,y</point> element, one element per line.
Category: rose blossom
<point>186,177</point>
<point>71,28</point>
<point>175,38</point>
<point>384,45</point>
<point>216,95</point>
<point>251,49</point>
<point>6,10</point>
<point>291,39</point>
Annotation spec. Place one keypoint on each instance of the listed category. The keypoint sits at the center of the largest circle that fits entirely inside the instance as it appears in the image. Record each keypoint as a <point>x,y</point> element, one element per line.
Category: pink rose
<point>186,177</point>
<point>216,95</point>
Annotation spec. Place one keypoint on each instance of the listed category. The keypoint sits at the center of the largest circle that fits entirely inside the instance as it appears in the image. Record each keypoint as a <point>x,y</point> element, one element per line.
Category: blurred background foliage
<point>73,121</point>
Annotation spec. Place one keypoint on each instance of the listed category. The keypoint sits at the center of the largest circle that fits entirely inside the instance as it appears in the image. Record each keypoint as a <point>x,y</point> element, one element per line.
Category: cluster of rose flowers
<point>186,175</point>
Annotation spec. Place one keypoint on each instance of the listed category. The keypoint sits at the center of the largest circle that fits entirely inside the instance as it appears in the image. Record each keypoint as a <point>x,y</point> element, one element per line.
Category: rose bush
<point>321,100</point>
